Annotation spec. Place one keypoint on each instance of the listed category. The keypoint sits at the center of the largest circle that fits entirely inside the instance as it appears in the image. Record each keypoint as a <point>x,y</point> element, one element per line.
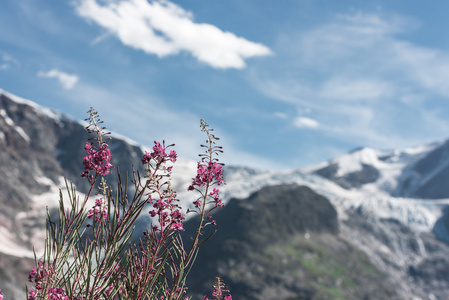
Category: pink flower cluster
<point>1,294</point>
<point>52,294</point>
<point>220,292</point>
<point>57,294</point>
<point>41,277</point>
<point>165,207</point>
<point>214,195</point>
<point>225,297</point>
<point>206,174</point>
<point>98,212</point>
<point>167,212</point>
<point>98,161</point>
<point>159,155</point>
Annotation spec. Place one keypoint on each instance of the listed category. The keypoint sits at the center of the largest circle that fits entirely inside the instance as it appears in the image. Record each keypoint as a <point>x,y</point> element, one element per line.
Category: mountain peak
<point>40,109</point>
<point>411,172</point>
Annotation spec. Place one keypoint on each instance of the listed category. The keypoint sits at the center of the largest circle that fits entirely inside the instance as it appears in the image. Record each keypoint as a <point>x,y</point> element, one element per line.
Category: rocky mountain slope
<point>38,149</point>
<point>366,225</point>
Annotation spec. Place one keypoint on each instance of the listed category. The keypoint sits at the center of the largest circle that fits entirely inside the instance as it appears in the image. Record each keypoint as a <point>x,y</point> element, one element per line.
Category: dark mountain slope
<point>283,243</point>
<point>428,177</point>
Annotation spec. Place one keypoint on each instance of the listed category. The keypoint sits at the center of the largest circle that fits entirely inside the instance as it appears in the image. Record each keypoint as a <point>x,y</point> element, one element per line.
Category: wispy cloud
<point>7,61</point>
<point>68,81</point>
<point>354,89</point>
<point>361,80</point>
<point>164,28</point>
<point>280,115</point>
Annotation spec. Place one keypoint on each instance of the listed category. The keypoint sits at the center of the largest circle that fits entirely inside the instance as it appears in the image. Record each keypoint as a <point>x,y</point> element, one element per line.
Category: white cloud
<point>362,80</point>
<point>68,81</point>
<point>163,28</point>
<point>303,122</point>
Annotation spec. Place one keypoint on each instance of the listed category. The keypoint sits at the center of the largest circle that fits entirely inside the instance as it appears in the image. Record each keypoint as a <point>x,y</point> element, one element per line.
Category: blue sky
<point>284,83</point>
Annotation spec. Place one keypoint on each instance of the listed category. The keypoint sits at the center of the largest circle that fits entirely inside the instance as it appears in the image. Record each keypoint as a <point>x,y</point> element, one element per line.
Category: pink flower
<point>173,156</point>
<point>32,275</point>
<point>98,212</point>
<point>220,291</point>
<point>98,161</point>
<point>146,158</point>
<point>41,275</point>
<point>197,203</point>
<point>56,294</point>
<point>215,196</point>
<point>32,295</point>
<point>207,174</point>
<point>159,155</point>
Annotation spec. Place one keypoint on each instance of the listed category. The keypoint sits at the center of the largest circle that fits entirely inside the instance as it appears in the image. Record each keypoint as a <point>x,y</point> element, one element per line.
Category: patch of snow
<point>9,247</point>
<point>5,116</point>
<point>314,167</point>
<point>352,162</point>
<point>421,149</point>
<point>22,133</point>
<point>418,214</point>
<point>46,181</point>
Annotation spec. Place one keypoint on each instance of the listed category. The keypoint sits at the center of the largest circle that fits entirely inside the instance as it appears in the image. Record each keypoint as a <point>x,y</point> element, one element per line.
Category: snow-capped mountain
<point>419,172</point>
<point>390,204</point>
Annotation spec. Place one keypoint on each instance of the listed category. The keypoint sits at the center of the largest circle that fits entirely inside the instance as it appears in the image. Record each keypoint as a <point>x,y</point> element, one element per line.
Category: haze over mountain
<point>366,225</point>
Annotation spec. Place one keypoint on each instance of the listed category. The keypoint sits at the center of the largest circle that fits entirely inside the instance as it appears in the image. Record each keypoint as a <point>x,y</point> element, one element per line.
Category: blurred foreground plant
<point>88,251</point>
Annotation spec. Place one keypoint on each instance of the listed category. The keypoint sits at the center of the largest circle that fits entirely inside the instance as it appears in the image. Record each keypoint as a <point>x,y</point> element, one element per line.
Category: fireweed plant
<point>88,251</point>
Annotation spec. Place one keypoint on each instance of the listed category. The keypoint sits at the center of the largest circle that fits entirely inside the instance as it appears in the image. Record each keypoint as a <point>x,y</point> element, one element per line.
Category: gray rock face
<point>277,209</point>
<point>356,179</point>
